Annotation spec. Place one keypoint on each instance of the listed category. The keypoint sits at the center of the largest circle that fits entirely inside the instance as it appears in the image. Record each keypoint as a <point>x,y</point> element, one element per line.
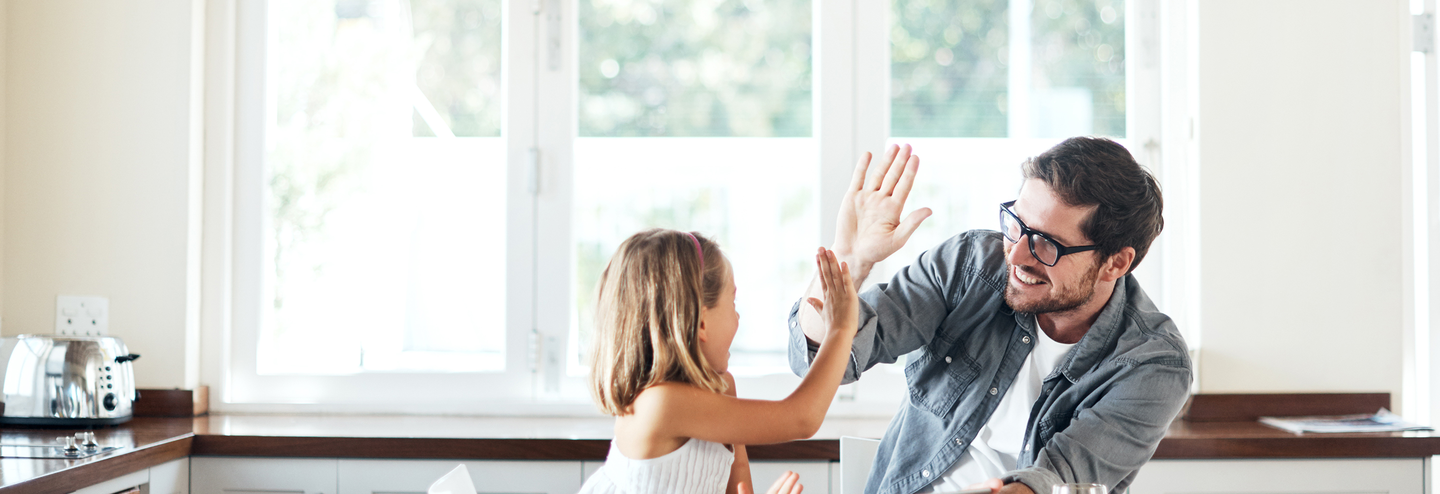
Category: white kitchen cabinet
<point>172,477</point>
<point>118,484</point>
<point>230,475</point>
<point>414,476</point>
<point>588,468</point>
<point>814,475</point>
<point>1305,476</point>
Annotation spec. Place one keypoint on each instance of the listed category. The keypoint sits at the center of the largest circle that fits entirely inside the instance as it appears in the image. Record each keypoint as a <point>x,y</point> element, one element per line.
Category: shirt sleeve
<point>1108,442</point>
<point>901,315</point>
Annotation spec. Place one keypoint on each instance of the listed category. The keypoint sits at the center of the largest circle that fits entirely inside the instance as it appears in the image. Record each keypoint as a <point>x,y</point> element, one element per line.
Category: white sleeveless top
<point>699,466</point>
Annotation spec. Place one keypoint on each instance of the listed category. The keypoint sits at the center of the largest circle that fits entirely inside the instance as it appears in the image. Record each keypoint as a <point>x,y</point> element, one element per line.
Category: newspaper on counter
<point>1381,421</point>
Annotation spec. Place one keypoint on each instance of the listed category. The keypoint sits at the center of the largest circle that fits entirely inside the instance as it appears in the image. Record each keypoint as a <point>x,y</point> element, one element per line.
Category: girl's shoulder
<point>662,400</point>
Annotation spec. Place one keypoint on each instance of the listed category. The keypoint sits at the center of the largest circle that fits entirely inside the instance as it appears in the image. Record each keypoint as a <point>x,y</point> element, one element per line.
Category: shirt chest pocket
<point>937,381</point>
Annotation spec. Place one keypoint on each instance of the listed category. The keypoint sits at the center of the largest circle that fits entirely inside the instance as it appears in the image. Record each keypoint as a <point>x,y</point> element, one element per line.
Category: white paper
<point>1381,421</point>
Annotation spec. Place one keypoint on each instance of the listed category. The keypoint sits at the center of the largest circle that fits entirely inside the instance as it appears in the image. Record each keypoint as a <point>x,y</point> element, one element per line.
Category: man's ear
<point>1117,265</point>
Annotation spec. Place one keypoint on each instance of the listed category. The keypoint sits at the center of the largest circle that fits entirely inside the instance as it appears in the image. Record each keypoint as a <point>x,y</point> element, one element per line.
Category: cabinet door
<point>171,477</point>
<point>118,484</point>
<point>225,475</point>
<point>814,475</point>
<point>1349,476</point>
<point>490,477</point>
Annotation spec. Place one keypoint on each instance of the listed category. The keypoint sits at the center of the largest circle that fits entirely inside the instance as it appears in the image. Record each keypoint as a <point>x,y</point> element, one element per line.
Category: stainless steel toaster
<point>70,381</point>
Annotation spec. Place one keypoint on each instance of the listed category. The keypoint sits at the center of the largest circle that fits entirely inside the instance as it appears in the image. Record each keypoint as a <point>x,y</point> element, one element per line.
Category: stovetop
<point>80,445</point>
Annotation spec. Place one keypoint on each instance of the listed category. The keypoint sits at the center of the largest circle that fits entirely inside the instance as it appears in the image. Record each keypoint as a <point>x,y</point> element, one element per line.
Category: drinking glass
<point>1079,489</point>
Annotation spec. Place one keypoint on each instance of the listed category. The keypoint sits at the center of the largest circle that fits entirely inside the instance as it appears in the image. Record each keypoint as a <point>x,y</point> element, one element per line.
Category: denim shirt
<point>1100,414</point>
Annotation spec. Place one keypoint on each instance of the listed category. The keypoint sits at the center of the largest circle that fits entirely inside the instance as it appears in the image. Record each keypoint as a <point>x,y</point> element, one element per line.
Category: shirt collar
<point>1097,340</point>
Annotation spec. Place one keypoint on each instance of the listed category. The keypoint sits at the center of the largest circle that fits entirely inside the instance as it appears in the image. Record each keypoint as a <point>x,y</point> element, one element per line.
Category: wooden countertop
<point>150,441</point>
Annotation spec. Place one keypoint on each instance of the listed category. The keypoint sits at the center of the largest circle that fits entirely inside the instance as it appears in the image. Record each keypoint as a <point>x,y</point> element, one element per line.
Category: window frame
<point>851,78</point>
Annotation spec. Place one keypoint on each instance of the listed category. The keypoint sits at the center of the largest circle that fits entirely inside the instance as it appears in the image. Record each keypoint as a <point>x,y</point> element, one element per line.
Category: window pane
<point>695,68</point>
<point>384,250</point>
<point>458,75</point>
<point>1064,66</point>
<point>695,115</point>
<point>948,68</point>
<point>1078,59</point>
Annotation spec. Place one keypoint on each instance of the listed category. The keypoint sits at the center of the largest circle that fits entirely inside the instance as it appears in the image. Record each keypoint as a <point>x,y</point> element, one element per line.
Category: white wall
<point>1301,160</point>
<point>101,171</point>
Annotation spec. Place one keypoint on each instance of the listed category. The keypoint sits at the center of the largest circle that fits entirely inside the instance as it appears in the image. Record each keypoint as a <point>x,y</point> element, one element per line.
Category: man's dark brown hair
<point>1094,171</point>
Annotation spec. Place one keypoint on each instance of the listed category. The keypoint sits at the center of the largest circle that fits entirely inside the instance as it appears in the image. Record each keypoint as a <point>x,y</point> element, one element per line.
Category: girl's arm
<point>681,410</point>
<point>740,469</point>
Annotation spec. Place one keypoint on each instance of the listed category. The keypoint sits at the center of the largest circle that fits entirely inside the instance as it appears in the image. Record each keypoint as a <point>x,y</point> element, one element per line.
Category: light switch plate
<point>82,316</point>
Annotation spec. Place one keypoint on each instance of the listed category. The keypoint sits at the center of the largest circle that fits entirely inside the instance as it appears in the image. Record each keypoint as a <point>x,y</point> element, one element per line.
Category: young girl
<point>664,323</point>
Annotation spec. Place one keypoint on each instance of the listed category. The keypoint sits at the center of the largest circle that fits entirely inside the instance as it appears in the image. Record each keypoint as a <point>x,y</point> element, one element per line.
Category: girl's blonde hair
<point>647,320</point>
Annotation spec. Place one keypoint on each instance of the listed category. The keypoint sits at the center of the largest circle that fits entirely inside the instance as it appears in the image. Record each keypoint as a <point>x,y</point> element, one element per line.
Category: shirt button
<point>958,441</point>
<point>947,360</point>
<point>1025,340</point>
<point>994,391</point>
<point>925,473</point>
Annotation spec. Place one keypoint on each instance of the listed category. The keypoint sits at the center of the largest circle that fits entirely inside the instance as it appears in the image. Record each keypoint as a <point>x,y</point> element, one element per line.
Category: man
<point>1034,356</point>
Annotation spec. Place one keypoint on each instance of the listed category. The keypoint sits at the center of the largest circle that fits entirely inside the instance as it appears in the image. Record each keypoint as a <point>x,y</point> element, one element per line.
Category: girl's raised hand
<point>788,483</point>
<point>840,309</point>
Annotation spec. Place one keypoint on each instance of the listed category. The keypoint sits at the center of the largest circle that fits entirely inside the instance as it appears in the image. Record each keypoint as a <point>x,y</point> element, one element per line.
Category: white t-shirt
<point>996,448</point>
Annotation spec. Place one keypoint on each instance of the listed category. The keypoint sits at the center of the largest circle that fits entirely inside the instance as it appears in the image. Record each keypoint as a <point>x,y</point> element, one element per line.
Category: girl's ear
<point>701,333</point>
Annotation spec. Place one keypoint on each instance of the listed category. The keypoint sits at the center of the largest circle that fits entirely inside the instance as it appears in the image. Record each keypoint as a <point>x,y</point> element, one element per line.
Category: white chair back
<point>456,482</point>
<point>856,456</point>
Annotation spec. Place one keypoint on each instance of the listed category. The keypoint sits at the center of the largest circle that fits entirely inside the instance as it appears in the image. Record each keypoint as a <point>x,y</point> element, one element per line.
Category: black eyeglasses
<point>1045,249</point>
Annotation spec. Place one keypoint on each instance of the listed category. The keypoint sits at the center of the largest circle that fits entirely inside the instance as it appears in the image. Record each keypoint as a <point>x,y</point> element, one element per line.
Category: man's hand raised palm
<point>869,228</point>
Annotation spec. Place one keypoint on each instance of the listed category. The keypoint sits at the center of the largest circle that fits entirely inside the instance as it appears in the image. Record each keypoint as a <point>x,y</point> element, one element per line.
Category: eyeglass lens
<point>1042,248</point>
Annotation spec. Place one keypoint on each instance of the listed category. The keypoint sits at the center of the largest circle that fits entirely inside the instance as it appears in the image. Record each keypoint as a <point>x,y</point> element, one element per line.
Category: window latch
<point>532,171</point>
<point>1423,31</point>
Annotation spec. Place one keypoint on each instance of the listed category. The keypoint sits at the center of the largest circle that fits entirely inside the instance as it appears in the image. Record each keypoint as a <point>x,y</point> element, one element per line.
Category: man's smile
<point>1025,279</point>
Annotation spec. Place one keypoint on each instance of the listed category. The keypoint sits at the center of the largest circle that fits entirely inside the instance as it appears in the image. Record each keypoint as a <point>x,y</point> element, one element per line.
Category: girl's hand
<point>789,483</point>
<point>840,309</point>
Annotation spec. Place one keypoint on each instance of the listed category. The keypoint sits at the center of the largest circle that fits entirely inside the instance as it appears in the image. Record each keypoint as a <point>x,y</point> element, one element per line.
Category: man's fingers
<point>911,222</point>
<point>907,179</point>
<point>744,488</point>
<point>875,176</point>
<point>895,168</point>
<point>857,179</point>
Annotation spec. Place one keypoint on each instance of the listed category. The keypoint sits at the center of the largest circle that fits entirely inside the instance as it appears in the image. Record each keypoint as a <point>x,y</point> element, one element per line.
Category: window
<point>433,186</point>
<point>695,115</point>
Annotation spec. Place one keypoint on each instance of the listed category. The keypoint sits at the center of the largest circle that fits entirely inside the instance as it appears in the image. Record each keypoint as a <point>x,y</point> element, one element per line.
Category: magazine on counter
<point>1381,421</point>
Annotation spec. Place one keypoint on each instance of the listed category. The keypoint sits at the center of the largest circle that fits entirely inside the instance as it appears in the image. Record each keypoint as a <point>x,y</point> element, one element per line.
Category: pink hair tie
<point>698,252</point>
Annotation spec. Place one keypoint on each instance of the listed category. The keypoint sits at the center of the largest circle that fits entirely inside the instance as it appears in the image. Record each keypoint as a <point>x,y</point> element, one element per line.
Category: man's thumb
<point>912,221</point>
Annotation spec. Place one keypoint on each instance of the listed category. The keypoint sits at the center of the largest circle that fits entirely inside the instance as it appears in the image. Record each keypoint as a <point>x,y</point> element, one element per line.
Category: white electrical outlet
<point>82,316</point>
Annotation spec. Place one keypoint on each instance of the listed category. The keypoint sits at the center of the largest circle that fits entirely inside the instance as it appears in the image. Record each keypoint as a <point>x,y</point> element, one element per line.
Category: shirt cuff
<point>1040,480</point>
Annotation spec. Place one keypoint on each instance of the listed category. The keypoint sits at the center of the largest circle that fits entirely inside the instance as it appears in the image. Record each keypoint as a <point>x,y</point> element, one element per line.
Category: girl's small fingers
<point>786,483</point>
<point>820,267</point>
<point>826,271</point>
<point>816,303</point>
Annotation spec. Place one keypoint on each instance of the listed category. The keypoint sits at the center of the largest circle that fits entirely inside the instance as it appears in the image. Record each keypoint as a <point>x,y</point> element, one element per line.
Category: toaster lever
<point>126,358</point>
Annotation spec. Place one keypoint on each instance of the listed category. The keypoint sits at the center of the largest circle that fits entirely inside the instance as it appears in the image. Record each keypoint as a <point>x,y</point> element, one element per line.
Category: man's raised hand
<point>868,228</point>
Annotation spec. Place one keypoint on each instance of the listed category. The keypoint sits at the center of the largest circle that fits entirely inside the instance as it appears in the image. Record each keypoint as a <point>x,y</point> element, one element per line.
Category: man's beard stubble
<point>1069,297</point>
